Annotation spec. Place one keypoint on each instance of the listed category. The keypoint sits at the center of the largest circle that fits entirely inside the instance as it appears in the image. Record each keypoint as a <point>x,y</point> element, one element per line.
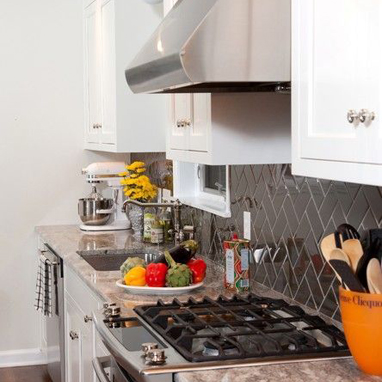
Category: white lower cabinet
<point>79,345</point>
<point>82,343</point>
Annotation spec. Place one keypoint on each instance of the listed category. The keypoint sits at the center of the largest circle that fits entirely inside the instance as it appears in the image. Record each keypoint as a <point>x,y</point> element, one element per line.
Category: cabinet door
<point>79,345</point>
<point>72,344</point>
<point>108,70</point>
<point>181,121</point>
<point>370,54</point>
<point>337,45</point>
<point>93,115</point>
<point>199,131</point>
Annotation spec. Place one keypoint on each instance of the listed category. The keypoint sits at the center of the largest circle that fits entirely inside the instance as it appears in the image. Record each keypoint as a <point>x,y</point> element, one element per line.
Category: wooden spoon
<point>374,276</point>
<point>339,254</point>
<point>327,245</point>
<point>353,248</point>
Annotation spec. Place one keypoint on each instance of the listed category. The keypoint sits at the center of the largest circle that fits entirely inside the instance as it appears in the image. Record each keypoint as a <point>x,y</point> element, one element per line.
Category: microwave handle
<point>99,365</point>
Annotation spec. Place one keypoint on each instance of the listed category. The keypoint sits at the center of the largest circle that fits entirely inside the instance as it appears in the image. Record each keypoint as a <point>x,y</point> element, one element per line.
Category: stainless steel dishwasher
<point>55,331</point>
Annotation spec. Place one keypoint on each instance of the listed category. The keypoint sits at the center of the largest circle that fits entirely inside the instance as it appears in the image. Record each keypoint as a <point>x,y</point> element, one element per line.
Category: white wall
<point>41,139</point>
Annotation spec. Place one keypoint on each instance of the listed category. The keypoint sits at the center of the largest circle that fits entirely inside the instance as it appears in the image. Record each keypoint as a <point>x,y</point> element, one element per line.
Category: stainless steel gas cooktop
<point>222,333</point>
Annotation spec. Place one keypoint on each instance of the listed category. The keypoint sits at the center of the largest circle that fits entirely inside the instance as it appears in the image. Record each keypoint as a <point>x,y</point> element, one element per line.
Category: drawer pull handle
<point>73,335</point>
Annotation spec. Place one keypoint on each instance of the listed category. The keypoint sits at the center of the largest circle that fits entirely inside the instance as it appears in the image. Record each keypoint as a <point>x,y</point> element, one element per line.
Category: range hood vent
<point>207,46</point>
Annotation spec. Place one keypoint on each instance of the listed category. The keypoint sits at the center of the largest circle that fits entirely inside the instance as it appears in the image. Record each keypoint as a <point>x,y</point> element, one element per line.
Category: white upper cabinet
<point>190,122</point>
<point>228,128</point>
<point>336,89</point>
<point>93,80</point>
<point>117,120</point>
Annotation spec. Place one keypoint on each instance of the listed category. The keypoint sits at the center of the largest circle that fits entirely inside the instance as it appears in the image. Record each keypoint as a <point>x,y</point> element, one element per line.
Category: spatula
<point>338,254</point>
<point>374,276</point>
<point>347,276</point>
<point>353,248</point>
<point>348,232</point>
<point>374,234</point>
<point>371,252</point>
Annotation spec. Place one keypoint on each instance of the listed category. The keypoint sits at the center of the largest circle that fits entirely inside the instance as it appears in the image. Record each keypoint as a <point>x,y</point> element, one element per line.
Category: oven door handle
<point>99,365</point>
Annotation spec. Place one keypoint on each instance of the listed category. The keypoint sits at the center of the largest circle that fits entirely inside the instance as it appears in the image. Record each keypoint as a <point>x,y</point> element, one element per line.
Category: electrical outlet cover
<point>247,225</point>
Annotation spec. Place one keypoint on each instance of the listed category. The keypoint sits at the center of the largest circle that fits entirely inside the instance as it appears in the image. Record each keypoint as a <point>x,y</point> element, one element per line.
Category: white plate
<point>157,290</point>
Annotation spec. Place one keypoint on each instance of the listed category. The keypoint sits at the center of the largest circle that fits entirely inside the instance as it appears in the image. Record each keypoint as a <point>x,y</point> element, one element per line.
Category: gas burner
<point>213,350</point>
<point>240,328</point>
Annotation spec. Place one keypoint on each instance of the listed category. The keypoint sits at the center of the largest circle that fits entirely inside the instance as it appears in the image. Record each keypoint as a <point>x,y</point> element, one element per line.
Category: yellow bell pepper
<point>136,277</point>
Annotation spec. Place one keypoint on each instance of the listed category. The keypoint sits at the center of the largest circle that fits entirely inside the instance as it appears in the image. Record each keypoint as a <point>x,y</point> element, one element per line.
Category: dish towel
<point>43,301</point>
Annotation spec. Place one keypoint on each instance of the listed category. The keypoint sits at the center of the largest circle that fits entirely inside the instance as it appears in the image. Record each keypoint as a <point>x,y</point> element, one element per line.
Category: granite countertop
<point>67,240</point>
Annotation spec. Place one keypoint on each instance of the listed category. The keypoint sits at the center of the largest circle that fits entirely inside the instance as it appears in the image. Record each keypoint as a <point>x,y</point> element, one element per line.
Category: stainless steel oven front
<point>107,370</point>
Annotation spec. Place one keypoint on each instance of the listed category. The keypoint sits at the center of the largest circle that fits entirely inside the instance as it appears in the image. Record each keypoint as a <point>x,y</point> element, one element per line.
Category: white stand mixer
<point>108,172</point>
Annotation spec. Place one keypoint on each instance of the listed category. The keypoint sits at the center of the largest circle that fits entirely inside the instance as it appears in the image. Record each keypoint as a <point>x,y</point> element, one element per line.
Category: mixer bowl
<point>87,210</point>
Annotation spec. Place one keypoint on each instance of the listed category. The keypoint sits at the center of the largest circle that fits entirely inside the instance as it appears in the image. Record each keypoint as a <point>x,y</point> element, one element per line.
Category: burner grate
<point>240,327</point>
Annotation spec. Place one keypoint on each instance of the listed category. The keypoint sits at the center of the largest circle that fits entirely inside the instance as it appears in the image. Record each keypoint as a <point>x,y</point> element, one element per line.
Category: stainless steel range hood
<point>216,45</point>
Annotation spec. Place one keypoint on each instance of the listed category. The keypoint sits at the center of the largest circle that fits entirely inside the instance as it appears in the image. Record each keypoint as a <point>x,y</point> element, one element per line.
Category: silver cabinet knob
<point>87,319</point>
<point>73,335</point>
<point>366,116</point>
<point>180,123</point>
<point>352,116</point>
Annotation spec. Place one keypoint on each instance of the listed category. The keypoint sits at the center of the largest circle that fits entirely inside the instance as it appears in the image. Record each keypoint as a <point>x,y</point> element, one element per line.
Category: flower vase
<point>136,215</point>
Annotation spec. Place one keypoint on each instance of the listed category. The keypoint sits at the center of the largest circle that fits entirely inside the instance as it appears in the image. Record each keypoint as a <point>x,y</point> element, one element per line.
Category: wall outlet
<point>247,225</point>
<point>166,195</point>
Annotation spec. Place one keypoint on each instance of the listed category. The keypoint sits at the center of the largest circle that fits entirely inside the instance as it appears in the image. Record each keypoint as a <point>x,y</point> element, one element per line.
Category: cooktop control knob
<point>111,310</point>
<point>156,357</point>
<point>147,346</point>
<point>115,311</point>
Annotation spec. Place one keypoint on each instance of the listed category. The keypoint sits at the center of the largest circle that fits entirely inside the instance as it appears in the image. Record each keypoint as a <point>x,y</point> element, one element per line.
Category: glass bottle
<point>157,236</point>
<point>165,218</point>
<point>148,220</point>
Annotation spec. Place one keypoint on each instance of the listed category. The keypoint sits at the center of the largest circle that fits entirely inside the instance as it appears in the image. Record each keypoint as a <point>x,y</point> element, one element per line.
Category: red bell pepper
<point>198,268</point>
<point>156,275</point>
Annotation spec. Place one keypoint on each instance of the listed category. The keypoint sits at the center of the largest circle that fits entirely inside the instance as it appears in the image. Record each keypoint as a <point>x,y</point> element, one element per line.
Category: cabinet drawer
<point>84,298</point>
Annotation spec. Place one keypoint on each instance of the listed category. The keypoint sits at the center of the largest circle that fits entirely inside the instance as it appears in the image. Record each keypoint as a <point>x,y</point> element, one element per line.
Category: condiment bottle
<point>157,236</point>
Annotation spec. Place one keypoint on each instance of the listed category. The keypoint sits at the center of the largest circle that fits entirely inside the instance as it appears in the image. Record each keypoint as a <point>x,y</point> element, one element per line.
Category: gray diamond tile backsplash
<point>290,216</point>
